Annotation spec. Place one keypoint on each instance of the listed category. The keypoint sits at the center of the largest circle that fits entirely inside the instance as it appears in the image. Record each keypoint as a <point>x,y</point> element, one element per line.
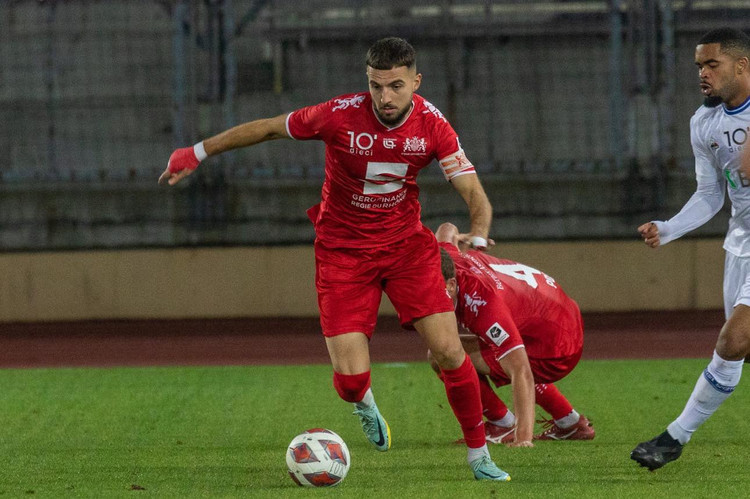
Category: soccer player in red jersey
<point>369,236</point>
<point>525,332</point>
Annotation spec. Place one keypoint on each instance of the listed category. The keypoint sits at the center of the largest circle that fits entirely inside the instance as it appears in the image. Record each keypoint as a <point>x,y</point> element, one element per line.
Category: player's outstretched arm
<point>185,160</point>
<point>480,211</point>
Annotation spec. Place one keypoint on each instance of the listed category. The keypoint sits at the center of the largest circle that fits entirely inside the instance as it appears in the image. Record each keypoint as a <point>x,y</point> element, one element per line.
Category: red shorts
<point>351,282</point>
<point>544,370</point>
<point>553,353</point>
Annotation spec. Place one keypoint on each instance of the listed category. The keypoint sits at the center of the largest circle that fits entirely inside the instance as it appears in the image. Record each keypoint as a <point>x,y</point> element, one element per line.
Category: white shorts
<point>736,282</point>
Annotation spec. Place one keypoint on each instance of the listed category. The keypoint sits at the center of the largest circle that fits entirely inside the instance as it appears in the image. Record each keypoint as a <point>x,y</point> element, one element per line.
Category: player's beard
<point>396,119</point>
<point>723,94</point>
<point>712,101</point>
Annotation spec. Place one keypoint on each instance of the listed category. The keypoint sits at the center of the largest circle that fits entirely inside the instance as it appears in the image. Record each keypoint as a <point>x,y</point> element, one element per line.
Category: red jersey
<point>508,304</point>
<point>370,193</point>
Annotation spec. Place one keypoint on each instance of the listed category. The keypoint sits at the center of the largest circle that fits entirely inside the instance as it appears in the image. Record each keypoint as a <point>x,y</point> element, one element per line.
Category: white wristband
<point>200,151</point>
<point>478,242</point>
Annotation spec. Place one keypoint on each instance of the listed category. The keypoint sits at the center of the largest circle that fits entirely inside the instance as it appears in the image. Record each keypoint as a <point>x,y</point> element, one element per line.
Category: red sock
<point>462,388</point>
<point>351,387</point>
<point>551,400</point>
<point>492,407</point>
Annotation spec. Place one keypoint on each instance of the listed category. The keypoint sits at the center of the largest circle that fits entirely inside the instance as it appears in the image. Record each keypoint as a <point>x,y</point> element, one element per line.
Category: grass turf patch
<point>223,432</point>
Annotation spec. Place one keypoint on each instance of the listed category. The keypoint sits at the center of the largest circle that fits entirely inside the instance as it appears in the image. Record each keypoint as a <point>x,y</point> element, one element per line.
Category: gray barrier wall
<point>279,281</point>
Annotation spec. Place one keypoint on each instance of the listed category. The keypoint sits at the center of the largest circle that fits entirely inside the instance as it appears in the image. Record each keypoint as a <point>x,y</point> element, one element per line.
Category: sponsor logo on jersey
<point>497,334</point>
<point>473,302</point>
<point>736,138</point>
<point>361,143</point>
<point>389,143</point>
<point>347,103</point>
<point>415,145</point>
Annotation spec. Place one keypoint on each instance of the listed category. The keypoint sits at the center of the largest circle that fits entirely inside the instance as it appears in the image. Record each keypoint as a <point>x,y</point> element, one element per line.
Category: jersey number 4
<point>522,273</point>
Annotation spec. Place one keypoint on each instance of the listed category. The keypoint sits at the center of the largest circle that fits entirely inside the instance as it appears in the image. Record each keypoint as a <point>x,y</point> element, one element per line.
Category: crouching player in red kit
<point>526,332</point>
<point>369,236</point>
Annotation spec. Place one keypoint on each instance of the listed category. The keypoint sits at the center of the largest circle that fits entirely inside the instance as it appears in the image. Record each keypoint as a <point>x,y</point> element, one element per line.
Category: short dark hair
<point>446,264</point>
<point>389,53</point>
<point>733,41</point>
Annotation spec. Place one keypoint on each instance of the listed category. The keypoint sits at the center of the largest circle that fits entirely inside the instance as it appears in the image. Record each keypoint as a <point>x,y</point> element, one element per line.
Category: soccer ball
<point>317,458</point>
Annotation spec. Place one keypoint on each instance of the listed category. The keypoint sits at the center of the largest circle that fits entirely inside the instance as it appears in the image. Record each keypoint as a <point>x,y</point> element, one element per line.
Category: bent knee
<point>733,344</point>
<point>433,362</point>
<point>450,356</point>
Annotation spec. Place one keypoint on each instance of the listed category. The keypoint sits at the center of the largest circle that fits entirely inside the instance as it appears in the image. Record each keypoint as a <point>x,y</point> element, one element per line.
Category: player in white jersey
<point>719,132</point>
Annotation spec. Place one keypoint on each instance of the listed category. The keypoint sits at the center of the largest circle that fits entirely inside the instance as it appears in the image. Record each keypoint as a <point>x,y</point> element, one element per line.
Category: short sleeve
<point>311,122</point>
<point>495,327</point>
<point>446,140</point>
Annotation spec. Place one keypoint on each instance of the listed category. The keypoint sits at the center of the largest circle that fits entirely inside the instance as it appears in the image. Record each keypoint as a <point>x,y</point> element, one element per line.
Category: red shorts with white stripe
<point>350,283</point>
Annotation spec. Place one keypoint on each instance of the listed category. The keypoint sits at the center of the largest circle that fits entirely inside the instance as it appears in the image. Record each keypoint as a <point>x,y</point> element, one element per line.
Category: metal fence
<point>575,112</point>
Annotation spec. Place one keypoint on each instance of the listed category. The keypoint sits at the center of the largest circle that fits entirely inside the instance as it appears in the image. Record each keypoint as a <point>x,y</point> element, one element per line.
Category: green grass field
<point>223,432</point>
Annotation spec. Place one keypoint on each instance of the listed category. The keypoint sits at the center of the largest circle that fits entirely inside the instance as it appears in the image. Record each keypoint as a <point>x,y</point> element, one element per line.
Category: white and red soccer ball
<point>318,458</point>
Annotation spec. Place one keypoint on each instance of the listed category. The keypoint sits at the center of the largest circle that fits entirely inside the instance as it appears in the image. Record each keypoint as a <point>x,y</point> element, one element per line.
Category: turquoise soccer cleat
<point>375,427</point>
<point>485,469</point>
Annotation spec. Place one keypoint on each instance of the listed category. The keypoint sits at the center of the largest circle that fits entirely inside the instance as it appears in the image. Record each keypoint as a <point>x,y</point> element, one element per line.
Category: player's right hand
<point>181,163</point>
<point>650,234</point>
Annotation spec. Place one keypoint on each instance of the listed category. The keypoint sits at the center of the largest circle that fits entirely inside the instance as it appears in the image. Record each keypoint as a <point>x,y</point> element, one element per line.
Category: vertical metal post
<point>617,118</point>
<point>491,122</point>
<point>49,75</point>
<point>230,73</point>
<point>665,100</point>
<point>668,81</point>
<point>652,87</point>
<point>179,55</point>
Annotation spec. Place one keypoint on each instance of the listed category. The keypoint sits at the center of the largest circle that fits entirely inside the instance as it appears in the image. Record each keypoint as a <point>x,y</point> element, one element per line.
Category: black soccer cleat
<point>657,452</point>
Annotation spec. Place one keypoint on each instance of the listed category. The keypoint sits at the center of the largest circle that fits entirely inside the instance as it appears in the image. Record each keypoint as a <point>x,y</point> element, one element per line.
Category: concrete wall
<point>279,281</point>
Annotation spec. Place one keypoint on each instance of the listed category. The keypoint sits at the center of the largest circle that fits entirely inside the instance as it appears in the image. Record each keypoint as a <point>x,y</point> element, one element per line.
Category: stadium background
<point>575,112</point>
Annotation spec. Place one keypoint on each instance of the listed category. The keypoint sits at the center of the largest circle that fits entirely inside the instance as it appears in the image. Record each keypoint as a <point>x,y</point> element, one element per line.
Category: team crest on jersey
<point>473,302</point>
<point>350,102</point>
<point>497,334</point>
<point>415,145</point>
<point>714,145</point>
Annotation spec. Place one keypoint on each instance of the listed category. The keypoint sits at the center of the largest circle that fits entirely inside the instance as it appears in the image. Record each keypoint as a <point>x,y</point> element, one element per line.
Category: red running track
<point>633,335</point>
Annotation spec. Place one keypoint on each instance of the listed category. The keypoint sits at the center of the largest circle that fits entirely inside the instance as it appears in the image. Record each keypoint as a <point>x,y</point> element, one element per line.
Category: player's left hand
<point>522,443</point>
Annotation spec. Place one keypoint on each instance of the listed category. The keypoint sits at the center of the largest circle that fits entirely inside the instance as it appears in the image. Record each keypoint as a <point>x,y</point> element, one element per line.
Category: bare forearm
<point>246,134</point>
<point>480,212</point>
<point>523,402</point>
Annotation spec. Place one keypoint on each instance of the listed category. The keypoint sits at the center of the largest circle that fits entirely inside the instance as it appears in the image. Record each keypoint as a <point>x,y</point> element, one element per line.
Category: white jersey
<point>718,136</point>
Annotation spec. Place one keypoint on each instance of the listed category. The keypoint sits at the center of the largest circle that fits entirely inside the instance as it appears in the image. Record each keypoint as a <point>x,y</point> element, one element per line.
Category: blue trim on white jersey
<point>718,386</point>
<point>739,108</point>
